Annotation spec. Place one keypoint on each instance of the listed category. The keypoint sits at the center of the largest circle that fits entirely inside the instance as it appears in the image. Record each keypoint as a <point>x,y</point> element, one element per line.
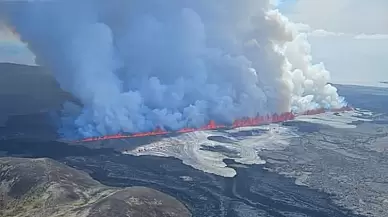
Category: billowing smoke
<point>138,64</point>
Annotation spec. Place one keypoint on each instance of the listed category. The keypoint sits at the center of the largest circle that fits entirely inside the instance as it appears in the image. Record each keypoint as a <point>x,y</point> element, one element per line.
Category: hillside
<point>47,188</point>
<point>28,89</point>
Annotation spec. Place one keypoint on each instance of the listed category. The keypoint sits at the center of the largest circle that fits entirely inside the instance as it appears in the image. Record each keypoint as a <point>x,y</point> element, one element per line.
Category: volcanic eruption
<point>142,64</point>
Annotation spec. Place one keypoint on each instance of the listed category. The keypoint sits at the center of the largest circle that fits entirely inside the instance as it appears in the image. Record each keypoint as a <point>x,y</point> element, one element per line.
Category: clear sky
<point>349,36</point>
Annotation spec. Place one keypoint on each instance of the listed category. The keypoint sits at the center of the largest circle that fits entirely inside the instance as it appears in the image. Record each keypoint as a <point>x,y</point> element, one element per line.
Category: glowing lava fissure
<point>244,122</point>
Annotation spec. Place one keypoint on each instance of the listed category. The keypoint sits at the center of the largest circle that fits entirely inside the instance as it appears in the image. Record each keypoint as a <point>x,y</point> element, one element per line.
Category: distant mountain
<point>44,187</point>
<point>28,89</point>
<point>384,82</point>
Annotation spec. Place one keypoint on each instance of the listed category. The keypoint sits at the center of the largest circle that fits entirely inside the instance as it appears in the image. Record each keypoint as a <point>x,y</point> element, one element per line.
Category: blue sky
<point>349,36</point>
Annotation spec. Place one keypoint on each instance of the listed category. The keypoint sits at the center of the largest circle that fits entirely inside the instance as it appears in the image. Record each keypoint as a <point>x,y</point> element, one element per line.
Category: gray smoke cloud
<point>138,64</point>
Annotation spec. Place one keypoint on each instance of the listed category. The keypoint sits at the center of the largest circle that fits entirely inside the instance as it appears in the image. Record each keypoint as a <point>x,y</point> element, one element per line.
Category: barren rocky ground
<point>43,187</point>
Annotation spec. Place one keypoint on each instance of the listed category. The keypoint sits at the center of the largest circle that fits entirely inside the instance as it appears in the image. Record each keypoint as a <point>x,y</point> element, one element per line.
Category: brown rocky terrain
<point>46,188</point>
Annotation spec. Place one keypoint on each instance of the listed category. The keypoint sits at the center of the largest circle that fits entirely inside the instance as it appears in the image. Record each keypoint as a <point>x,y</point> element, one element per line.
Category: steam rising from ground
<point>140,64</point>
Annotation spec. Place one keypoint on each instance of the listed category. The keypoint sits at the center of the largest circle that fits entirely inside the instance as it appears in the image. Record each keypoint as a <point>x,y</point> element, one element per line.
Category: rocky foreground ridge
<point>44,187</point>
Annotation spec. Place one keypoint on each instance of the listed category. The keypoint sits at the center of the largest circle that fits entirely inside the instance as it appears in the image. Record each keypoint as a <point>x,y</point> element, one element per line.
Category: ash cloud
<point>140,64</point>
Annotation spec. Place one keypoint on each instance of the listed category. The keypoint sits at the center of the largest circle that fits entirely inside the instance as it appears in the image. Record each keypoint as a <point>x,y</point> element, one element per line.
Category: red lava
<point>244,122</point>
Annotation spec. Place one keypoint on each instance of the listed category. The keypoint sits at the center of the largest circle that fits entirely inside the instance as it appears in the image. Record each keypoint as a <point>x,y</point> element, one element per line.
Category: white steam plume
<point>138,64</point>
